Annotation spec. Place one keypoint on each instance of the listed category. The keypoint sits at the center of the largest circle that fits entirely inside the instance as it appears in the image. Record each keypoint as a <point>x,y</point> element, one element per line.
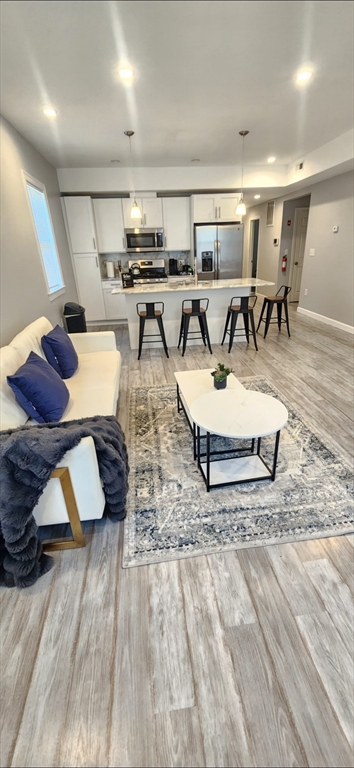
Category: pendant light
<point>135,212</point>
<point>241,208</point>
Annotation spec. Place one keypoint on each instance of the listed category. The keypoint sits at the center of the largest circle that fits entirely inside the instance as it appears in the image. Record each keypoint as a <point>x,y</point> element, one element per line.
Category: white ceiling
<point>204,71</point>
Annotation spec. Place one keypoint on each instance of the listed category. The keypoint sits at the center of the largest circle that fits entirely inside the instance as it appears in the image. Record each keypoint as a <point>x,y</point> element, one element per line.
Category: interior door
<point>298,251</point>
<point>230,251</point>
<point>206,251</point>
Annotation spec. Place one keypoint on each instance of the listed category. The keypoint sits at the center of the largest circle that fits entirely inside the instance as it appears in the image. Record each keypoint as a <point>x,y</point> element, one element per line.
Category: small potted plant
<point>220,376</point>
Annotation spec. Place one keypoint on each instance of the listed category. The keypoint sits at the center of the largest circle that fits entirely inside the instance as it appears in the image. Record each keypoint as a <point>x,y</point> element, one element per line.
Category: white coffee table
<point>236,413</point>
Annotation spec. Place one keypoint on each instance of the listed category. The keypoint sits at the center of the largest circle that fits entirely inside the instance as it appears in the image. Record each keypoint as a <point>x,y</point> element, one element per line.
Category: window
<point>45,236</point>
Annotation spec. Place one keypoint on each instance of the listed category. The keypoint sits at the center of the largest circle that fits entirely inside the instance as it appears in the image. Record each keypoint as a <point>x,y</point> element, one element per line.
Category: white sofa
<point>93,391</point>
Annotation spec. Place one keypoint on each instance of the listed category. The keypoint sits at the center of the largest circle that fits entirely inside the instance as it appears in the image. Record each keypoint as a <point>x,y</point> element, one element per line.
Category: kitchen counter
<point>172,293</point>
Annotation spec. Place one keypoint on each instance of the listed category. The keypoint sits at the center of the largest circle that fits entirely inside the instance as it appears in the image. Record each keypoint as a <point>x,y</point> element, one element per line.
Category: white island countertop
<point>190,285</point>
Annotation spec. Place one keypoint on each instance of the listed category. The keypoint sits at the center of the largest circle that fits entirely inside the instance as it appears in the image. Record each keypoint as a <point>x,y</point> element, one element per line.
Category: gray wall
<point>328,276</point>
<point>23,290</point>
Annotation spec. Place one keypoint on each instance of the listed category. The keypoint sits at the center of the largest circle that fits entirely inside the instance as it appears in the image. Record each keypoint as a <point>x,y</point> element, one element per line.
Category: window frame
<point>32,181</point>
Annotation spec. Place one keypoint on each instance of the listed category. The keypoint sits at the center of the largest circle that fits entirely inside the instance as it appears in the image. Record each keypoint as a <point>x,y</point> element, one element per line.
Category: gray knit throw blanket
<point>28,455</point>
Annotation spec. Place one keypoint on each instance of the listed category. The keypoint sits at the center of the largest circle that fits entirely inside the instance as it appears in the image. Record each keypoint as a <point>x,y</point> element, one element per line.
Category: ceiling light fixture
<point>195,160</point>
<point>126,73</point>
<point>49,112</point>
<point>256,197</point>
<point>135,212</point>
<point>304,76</point>
<point>115,161</point>
<point>241,208</point>
<point>271,159</point>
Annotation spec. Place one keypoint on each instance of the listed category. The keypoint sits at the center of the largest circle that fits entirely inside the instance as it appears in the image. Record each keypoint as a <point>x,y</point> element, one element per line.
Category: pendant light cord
<point>131,164</point>
<point>243,150</point>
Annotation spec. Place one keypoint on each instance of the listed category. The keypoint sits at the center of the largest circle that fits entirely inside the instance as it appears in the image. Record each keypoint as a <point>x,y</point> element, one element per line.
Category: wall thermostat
<point>335,228</point>
<point>276,241</point>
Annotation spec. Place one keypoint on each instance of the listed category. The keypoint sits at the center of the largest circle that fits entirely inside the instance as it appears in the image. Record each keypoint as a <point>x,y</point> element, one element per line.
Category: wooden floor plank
<point>44,713</point>
<point>271,731</point>
<point>179,739</point>
<point>171,666</point>
<point>342,556</point>
<point>231,590</point>
<point>217,696</point>
<point>88,709</point>
<point>312,713</point>
<point>334,665</point>
<point>290,572</point>
<point>336,597</point>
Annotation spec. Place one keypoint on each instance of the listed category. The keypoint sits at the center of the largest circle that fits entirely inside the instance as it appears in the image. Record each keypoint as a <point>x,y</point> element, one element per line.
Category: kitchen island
<point>172,293</point>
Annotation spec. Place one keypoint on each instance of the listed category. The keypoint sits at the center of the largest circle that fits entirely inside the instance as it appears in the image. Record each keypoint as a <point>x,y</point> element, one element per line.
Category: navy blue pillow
<point>60,352</point>
<point>39,389</point>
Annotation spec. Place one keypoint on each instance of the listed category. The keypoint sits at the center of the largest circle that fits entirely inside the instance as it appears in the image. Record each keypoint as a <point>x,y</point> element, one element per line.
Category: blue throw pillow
<point>60,352</point>
<point>39,389</point>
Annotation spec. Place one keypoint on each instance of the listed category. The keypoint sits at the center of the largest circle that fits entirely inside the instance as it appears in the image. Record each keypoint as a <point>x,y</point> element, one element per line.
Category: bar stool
<point>245,307</point>
<point>194,310</point>
<point>280,301</point>
<point>151,313</point>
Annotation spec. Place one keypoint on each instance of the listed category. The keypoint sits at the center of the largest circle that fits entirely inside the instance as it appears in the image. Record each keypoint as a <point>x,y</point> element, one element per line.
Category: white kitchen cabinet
<point>151,212</point>
<point>214,208</point>
<point>115,307</point>
<point>108,215</point>
<point>81,226</point>
<point>176,223</point>
<point>89,285</point>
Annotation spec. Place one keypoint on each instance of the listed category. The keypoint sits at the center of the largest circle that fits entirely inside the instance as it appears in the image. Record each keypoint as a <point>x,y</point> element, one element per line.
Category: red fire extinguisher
<point>283,264</point>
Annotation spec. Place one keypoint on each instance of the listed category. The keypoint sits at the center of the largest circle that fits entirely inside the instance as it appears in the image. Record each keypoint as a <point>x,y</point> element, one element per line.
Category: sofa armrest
<point>95,341</point>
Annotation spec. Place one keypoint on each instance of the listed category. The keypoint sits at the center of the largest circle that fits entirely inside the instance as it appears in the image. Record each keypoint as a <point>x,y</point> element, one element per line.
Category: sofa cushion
<point>94,387</point>
<point>60,352</point>
<point>12,414</point>
<point>29,340</point>
<point>39,389</point>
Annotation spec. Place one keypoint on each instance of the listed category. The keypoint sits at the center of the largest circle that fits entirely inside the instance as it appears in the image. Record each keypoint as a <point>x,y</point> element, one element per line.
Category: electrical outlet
<point>306,291</point>
<point>312,251</point>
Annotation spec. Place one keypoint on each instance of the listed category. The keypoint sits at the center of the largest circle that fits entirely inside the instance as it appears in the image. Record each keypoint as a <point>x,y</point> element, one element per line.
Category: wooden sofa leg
<point>78,539</point>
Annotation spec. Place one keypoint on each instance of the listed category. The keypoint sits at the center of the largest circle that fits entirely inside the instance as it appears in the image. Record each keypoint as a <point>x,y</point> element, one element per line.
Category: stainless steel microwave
<point>144,240</point>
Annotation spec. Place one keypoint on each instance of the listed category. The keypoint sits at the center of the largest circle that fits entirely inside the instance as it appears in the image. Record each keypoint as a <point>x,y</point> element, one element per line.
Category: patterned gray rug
<point>170,514</point>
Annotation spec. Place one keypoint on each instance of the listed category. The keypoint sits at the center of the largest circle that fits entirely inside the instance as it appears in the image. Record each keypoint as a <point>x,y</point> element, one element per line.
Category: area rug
<point>171,515</point>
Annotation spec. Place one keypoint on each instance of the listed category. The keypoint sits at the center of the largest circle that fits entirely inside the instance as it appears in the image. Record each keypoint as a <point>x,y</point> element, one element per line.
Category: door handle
<point>219,213</point>
<point>96,262</point>
<point>216,213</point>
<point>123,242</point>
<point>145,219</point>
<point>296,263</point>
<point>165,241</point>
<point>94,243</point>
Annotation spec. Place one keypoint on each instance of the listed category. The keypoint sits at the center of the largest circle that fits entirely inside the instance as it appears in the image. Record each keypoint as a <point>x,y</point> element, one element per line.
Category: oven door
<point>143,240</point>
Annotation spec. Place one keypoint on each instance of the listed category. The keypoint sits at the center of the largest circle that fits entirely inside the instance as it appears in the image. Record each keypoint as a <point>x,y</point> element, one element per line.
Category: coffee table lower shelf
<point>249,467</point>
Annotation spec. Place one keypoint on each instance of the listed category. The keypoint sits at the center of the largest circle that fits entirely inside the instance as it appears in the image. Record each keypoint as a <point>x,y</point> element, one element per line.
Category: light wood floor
<point>237,659</point>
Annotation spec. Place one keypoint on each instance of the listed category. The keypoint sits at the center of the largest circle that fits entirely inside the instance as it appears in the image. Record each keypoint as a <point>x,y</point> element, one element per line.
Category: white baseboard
<point>327,320</point>
<point>106,322</point>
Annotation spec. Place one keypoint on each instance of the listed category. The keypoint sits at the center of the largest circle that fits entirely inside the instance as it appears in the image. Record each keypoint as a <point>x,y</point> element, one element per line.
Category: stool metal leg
<point>185,332</point>
<point>202,329</point>
<point>287,316</point>
<point>262,312</point>
<point>279,310</point>
<point>234,316</point>
<point>269,314</point>
<point>206,331</point>
<point>246,324</point>
<point>162,333</point>
<point>141,334</point>
<point>253,329</point>
<point>180,332</point>
<point>226,324</point>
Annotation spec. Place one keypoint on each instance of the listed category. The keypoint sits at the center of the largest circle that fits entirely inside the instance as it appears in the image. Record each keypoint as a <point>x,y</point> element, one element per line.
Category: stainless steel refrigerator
<point>218,250</point>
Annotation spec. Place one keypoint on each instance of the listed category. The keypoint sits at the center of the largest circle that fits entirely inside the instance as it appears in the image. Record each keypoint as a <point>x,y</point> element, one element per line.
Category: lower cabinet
<point>89,285</point>
<point>115,308</point>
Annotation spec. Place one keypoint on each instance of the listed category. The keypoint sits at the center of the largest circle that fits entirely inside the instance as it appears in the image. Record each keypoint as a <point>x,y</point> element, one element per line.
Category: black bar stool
<point>195,309</point>
<point>245,307</point>
<point>151,313</point>
<point>281,300</point>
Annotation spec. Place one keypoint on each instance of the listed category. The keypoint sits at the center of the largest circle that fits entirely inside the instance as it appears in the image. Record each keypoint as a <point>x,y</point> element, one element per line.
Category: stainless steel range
<point>146,271</point>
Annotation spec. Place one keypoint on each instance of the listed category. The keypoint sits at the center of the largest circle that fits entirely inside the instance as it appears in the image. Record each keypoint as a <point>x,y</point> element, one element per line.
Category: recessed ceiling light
<point>49,112</point>
<point>304,76</point>
<point>271,159</point>
<point>195,160</point>
<point>256,197</point>
<point>115,161</point>
<point>126,73</point>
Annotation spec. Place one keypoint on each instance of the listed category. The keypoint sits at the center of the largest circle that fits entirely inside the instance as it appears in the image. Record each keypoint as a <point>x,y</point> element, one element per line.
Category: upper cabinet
<point>79,215</point>
<point>214,208</point>
<point>151,213</point>
<point>176,223</point>
<point>109,224</point>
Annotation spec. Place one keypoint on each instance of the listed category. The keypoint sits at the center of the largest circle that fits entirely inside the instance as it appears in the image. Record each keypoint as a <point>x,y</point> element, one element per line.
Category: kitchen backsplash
<point>121,259</point>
